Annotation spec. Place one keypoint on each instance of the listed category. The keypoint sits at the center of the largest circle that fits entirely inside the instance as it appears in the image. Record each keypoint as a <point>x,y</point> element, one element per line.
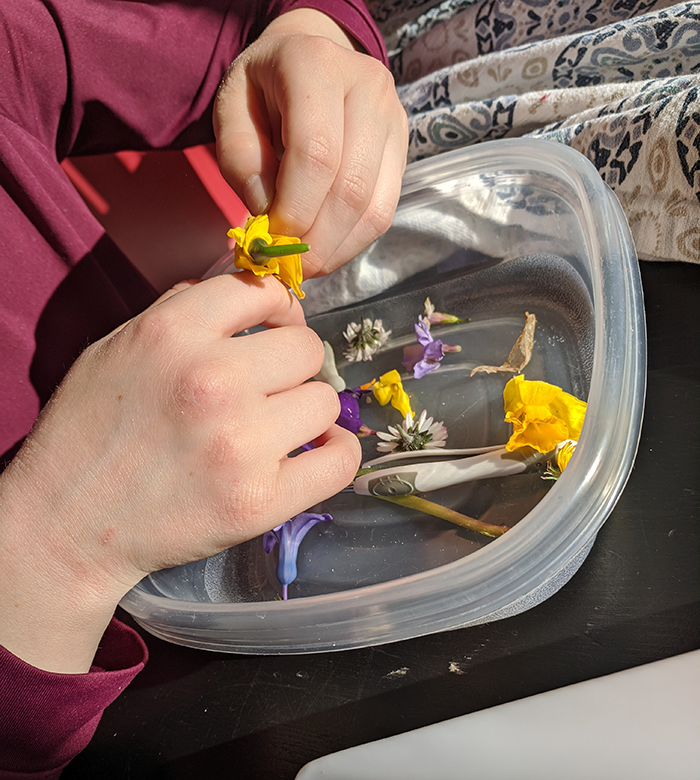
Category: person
<point>138,434</point>
<point>617,81</point>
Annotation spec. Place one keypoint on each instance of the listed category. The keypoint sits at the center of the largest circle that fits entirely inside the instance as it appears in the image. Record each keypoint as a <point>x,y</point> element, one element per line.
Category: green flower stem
<point>260,251</point>
<point>431,508</point>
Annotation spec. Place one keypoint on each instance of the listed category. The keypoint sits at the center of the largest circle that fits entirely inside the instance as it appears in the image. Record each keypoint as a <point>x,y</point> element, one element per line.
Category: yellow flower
<point>564,451</point>
<point>286,268</point>
<point>389,388</point>
<point>542,415</point>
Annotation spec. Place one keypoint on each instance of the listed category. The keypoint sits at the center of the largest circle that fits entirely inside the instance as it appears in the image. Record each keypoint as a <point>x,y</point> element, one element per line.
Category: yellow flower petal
<point>287,269</point>
<point>389,388</point>
<point>564,452</point>
<point>255,227</point>
<point>571,411</point>
<point>290,265</point>
<point>542,415</point>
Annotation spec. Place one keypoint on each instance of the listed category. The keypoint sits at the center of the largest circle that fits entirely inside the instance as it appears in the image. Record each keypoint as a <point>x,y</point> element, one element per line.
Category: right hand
<point>313,132</point>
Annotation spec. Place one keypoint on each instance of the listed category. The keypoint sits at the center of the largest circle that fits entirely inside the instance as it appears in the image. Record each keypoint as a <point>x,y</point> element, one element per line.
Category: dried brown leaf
<point>519,356</point>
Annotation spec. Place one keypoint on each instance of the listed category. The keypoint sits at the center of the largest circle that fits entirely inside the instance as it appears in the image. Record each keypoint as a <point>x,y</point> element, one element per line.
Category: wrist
<point>54,608</point>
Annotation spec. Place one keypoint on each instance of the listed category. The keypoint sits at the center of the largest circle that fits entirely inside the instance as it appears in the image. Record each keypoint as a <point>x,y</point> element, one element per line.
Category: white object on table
<point>641,724</point>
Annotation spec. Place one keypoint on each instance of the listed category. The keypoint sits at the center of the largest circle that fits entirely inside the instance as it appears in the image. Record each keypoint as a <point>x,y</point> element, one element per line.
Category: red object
<point>206,167</point>
<point>130,160</point>
<point>91,195</point>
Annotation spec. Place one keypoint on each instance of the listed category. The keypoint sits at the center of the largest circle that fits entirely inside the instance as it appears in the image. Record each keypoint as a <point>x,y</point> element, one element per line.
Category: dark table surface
<point>193,714</point>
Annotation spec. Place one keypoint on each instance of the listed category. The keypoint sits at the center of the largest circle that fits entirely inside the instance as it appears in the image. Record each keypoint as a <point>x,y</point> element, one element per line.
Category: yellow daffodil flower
<point>389,388</point>
<point>542,415</point>
<point>251,243</point>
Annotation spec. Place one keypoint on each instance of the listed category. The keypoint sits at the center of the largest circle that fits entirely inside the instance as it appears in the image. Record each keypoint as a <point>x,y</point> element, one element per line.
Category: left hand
<point>312,131</point>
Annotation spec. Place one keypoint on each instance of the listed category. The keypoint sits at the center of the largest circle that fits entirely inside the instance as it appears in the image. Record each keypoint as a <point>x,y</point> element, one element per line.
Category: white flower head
<point>420,434</point>
<point>364,339</point>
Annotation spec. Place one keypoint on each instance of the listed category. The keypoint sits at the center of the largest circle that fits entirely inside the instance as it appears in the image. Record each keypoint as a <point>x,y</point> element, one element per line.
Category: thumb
<point>244,139</point>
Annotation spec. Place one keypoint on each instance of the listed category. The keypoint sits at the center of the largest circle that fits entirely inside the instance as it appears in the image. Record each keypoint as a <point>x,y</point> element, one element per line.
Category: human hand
<point>313,132</point>
<point>167,442</point>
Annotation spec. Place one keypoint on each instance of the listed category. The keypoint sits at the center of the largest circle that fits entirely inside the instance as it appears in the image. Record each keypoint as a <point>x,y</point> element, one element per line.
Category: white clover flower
<point>421,434</point>
<point>364,339</point>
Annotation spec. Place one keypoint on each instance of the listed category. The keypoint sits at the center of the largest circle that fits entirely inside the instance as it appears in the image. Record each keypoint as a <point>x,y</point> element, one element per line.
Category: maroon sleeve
<point>46,719</point>
<point>89,76</point>
<point>81,77</point>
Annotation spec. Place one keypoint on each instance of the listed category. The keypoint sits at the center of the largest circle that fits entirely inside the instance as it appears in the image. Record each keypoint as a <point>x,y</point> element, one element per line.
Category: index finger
<point>312,118</point>
<point>231,303</point>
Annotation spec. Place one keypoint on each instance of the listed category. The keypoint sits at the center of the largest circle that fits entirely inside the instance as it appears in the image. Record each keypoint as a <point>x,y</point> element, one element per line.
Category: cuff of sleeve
<point>47,718</point>
<point>355,19</point>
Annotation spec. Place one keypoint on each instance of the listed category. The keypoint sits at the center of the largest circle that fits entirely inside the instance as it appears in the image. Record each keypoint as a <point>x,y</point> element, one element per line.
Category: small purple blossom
<point>424,357</point>
<point>349,417</point>
<point>289,536</point>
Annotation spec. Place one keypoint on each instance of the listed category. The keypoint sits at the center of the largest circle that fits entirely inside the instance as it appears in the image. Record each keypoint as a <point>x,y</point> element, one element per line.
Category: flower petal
<point>289,535</point>
<point>434,351</point>
<point>422,332</point>
<point>564,452</point>
<point>411,355</point>
<point>424,367</point>
<point>349,417</point>
<point>542,415</point>
<point>287,269</point>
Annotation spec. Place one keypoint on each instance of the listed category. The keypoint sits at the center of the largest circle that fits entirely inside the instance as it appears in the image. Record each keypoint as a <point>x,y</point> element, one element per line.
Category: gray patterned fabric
<point>618,81</point>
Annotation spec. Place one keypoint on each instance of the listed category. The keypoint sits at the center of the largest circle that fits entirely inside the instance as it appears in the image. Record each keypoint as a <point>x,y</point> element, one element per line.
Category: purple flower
<point>289,536</point>
<point>349,417</point>
<point>424,357</point>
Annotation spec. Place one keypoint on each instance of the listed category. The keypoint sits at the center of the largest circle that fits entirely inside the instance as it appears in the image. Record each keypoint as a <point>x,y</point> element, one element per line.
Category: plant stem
<point>452,516</point>
<point>259,247</point>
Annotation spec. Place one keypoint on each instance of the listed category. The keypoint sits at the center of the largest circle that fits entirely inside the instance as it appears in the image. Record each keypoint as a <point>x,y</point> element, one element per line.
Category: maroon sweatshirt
<point>84,77</point>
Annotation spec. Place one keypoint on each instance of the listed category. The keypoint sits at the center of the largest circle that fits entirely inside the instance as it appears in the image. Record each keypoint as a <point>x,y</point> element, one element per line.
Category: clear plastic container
<point>488,233</point>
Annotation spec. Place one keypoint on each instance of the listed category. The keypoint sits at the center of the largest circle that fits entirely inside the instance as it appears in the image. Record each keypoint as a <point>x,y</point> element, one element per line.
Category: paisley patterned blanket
<point>618,80</point>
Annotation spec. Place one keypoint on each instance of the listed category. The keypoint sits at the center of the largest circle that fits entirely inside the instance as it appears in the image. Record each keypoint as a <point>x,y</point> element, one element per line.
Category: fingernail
<point>257,197</point>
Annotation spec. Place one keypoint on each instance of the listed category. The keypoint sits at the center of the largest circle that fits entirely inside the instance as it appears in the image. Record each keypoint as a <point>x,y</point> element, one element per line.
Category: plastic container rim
<point>553,531</point>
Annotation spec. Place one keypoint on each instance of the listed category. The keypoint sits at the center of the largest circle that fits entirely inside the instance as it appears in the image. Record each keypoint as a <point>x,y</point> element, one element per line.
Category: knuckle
<point>402,126</point>
<point>317,53</point>
<point>319,156</point>
<point>313,347</point>
<point>353,190</point>
<point>381,81</point>
<point>249,503</point>
<point>199,390</point>
<point>384,81</point>
<point>276,296</point>
<point>220,451</point>
<point>152,329</point>
<point>306,345</point>
<point>379,216</point>
<point>349,458</point>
